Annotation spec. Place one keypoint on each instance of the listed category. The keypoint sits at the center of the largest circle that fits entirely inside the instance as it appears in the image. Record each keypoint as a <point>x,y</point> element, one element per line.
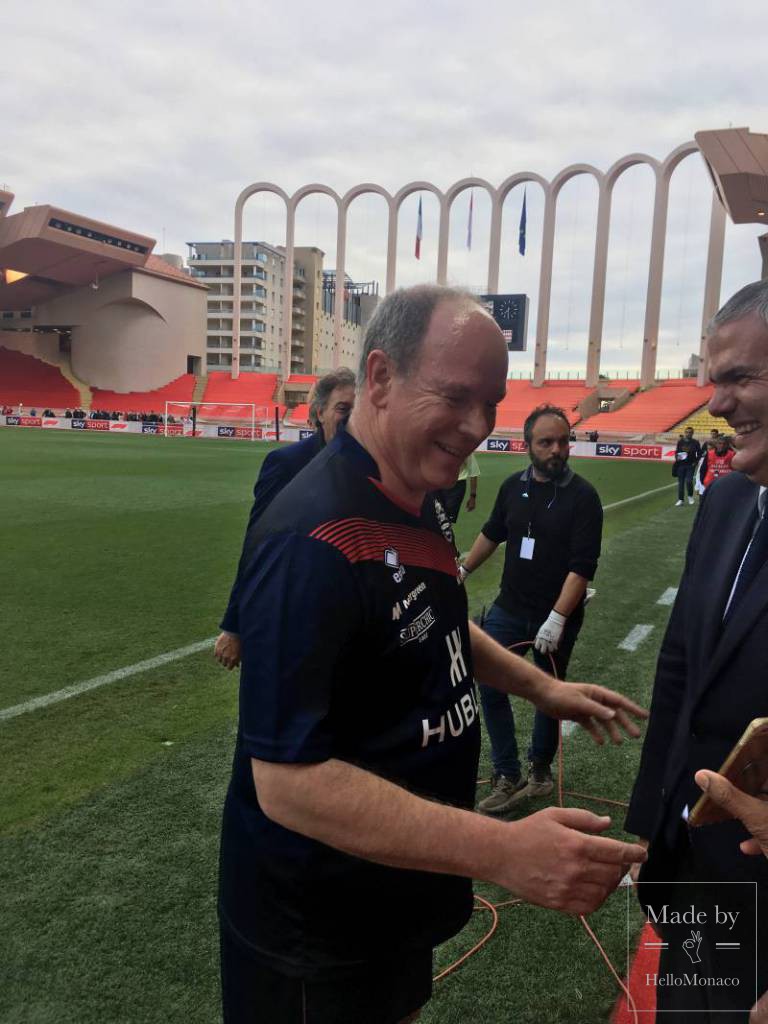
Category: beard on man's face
<point>552,467</point>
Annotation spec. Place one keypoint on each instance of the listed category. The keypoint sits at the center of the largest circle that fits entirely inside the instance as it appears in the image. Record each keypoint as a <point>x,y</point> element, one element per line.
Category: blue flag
<point>521,232</point>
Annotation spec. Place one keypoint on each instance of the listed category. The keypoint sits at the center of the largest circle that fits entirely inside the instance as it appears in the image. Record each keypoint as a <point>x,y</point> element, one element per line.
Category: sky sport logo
<point>701,945</point>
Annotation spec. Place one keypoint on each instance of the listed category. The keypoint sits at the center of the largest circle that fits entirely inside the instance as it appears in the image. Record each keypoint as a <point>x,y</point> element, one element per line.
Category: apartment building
<point>263,294</point>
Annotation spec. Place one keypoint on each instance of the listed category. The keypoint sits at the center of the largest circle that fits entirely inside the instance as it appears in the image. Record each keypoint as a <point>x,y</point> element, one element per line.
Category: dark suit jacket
<point>277,470</point>
<point>711,681</point>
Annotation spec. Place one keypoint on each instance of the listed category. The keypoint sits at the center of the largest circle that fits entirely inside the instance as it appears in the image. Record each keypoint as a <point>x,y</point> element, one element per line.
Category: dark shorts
<point>387,992</point>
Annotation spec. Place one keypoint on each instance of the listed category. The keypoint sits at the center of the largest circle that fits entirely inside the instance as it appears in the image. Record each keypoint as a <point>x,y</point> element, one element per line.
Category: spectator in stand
<point>594,437</point>
<point>21,409</point>
<point>717,461</point>
<point>687,455</point>
<point>33,412</point>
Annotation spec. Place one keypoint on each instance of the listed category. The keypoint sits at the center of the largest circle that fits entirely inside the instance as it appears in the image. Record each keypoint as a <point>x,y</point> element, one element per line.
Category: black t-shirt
<point>687,452</point>
<point>565,522</point>
<point>355,645</point>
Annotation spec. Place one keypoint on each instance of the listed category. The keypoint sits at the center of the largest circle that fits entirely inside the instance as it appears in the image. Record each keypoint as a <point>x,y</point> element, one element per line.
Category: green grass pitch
<point>117,549</point>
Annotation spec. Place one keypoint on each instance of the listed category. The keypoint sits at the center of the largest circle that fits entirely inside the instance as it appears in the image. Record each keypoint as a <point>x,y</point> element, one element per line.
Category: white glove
<point>550,633</point>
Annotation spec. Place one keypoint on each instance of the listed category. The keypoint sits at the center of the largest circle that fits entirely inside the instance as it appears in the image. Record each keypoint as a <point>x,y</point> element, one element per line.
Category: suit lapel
<point>723,640</point>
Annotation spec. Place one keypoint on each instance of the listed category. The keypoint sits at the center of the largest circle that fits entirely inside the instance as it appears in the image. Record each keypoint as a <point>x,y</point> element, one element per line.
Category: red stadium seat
<point>253,388</point>
<point>178,390</point>
<point>652,411</point>
<point>34,383</point>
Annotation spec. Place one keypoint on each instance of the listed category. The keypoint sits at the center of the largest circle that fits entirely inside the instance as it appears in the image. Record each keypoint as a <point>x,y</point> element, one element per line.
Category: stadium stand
<point>34,383</point>
<point>652,411</point>
<point>522,398</point>
<point>178,390</point>
<point>703,422</point>
<point>302,378</point>
<point>227,394</point>
<point>299,415</point>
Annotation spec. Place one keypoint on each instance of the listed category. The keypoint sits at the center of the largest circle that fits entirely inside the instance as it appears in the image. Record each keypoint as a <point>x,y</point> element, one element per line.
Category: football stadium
<point>127,466</point>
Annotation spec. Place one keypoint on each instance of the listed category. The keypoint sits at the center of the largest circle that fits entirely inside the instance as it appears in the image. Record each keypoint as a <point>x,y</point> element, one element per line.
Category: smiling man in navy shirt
<point>349,841</point>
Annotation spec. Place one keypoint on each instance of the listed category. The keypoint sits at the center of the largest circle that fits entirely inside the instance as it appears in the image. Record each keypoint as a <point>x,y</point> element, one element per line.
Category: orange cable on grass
<point>484,905</point>
<point>494,908</point>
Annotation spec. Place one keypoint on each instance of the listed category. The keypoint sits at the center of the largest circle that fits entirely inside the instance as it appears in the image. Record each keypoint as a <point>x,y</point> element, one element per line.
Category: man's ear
<point>378,377</point>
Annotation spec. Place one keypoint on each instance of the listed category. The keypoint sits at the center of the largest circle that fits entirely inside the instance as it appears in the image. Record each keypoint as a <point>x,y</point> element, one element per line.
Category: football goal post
<point>217,419</point>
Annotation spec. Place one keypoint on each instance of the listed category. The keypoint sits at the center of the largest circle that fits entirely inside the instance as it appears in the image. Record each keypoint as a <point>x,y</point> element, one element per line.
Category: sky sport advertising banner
<point>589,449</point>
<point>23,421</point>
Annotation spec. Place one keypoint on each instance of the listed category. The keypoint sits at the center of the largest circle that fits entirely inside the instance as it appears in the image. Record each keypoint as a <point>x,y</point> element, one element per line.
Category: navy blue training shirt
<point>355,646</point>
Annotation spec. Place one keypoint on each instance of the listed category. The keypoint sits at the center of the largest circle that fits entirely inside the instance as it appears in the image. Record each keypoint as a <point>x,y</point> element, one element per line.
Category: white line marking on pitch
<point>668,597</point>
<point>636,497</point>
<point>634,638</point>
<point>110,677</point>
<point>182,652</point>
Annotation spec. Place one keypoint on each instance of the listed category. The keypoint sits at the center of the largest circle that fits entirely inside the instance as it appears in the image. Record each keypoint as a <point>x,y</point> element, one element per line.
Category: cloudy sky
<point>153,116</point>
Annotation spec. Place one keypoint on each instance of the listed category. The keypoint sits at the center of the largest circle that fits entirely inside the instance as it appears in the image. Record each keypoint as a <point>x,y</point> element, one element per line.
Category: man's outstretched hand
<point>602,712</point>
<point>561,864</point>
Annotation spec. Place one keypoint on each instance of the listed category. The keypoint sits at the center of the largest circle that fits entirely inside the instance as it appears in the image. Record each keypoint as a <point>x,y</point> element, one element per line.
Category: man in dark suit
<point>711,681</point>
<point>332,401</point>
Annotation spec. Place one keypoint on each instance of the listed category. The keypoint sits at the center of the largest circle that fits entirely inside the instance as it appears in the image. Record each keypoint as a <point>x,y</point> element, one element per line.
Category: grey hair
<point>752,298</point>
<point>401,321</point>
<point>324,387</point>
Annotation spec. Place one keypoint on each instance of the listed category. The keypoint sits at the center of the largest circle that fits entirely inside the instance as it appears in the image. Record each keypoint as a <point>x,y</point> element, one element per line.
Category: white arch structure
<point>606,182</point>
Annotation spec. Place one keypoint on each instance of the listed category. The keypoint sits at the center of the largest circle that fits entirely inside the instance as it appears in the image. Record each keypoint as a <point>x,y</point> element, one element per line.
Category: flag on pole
<point>521,232</point>
<point>469,222</point>
<point>419,233</point>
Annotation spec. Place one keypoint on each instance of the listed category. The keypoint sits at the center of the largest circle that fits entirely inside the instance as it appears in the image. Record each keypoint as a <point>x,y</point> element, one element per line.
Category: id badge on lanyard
<point>527,545</point>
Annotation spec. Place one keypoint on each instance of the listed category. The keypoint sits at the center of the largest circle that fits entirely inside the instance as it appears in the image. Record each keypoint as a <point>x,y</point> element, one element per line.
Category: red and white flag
<point>419,233</point>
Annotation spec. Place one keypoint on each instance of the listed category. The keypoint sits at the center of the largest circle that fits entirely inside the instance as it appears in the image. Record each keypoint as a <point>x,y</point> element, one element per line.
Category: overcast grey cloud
<point>155,116</point>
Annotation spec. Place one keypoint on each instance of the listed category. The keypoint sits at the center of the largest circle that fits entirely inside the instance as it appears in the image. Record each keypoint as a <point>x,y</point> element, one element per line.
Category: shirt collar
<point>347,446</point>
<point>562,481</point>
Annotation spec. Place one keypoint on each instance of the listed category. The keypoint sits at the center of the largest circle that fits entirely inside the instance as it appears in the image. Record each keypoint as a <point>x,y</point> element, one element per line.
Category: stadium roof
<point>737,160</point>
<point>46,251</point>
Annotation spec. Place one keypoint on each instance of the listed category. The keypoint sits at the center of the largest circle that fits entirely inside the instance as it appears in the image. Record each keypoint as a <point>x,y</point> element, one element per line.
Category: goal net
<point>215,419</point>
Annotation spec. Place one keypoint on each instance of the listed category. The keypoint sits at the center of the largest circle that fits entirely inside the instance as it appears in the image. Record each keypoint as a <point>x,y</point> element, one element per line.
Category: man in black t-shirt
<point>687,455</point>
<point>551,521</point>
<point>348,839</point>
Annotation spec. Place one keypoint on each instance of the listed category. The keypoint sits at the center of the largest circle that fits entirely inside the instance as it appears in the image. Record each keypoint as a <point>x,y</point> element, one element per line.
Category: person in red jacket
<point>717,461</point>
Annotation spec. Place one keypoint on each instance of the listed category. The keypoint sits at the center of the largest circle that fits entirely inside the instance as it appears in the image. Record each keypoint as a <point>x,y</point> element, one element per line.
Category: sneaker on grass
<point>539,783</point>
<point>502,795</point>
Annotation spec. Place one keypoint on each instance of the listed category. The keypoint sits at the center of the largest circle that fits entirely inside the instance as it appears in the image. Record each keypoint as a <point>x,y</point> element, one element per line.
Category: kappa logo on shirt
<point>397,611</point>
<point>392,561</point>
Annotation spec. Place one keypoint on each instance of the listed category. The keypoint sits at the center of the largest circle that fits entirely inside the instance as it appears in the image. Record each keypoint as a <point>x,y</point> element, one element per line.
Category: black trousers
<point>386,992</point>
<point>685,476</point>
